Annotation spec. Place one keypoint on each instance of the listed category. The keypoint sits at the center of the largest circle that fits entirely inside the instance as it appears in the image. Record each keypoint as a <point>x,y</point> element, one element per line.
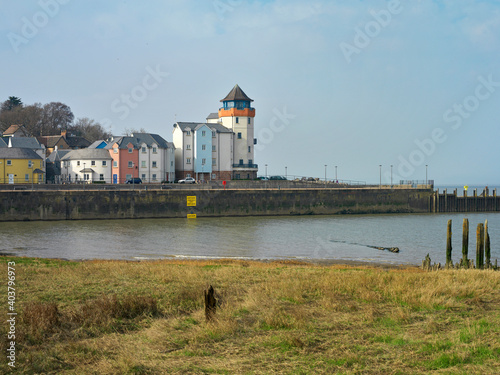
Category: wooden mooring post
<point>465,244</point>
<point>487,248</point>
<point>480,246</point>
<point>449,261</point>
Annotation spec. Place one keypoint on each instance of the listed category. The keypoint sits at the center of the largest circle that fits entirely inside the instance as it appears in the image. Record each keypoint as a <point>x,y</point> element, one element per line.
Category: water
<point>342,237</point>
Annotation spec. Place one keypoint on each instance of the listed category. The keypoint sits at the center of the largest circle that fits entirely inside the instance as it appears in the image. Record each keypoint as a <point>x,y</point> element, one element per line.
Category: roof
<point>25,142</point>
<point>18,153</point>
<point>213,116</point>
<point>79,142</point>
<point>87,153</point>
<point>50,141</point>
<point>236,94</point>
<point>149,139</point>
<point>57,155</point>
<point>137,139</point>
<point>3,143</point>
<point>14,128</point>
<point>195,125</point>
<point>98,144</point>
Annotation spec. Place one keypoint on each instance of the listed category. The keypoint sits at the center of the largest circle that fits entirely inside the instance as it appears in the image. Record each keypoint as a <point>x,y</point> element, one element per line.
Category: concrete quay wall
<point>172,203</point>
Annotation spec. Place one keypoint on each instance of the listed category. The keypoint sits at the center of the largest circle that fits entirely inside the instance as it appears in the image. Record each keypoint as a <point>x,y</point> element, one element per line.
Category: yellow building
<point>20,166</point>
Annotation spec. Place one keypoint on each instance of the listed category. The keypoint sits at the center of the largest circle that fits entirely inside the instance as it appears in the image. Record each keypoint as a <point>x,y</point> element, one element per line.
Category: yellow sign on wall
<point>191,216</point>
<point>191,201</point>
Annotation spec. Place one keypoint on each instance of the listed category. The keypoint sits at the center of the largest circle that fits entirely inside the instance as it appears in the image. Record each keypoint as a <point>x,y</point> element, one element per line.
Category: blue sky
<point>353,84</point>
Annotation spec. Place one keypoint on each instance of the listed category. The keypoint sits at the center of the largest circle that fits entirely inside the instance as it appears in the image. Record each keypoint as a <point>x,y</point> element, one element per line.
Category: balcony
<point>246,166</point>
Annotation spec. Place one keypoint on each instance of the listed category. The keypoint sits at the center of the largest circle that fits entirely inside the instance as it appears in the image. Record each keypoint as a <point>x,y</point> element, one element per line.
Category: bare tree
<point>88,129</point>
<point>56,116</point>
<point>130,131</point>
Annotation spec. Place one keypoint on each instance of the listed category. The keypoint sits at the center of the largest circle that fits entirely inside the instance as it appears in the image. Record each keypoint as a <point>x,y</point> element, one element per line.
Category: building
<point>20,166</point>
<point>222,148</point>
<point>87,164</point>
<point>16,131</point>
<point>144,155</point>
<point>53,166</point>
<point>63,142</point>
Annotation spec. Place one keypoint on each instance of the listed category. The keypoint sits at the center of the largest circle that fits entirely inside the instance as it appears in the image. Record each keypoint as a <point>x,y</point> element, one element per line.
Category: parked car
<point>188,180</point>
<point>263,178</point>
<point>277,178</point>
<point>135,180</point>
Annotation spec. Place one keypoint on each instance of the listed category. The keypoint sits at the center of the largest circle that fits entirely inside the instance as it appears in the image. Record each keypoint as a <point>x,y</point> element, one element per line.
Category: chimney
<point>63,133</point>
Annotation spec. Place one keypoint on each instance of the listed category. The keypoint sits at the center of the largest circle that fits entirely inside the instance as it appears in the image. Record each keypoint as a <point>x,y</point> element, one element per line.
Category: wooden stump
<point>487,246</point>
<point>210,304</point>
<point>449,262</point>
<point>465,244</point>
<point>480,246</point>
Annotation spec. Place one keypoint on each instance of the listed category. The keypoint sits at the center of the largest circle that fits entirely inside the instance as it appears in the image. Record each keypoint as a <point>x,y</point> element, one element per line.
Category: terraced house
<point>20,166</point>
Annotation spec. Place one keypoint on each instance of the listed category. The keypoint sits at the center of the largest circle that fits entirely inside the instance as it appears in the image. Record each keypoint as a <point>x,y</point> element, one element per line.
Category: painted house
<point>16,131</point>
<point>231,143</point>
<point>87,165</point>
<point>63,142</point>
<point>124,152</point>
<point>20,166</point>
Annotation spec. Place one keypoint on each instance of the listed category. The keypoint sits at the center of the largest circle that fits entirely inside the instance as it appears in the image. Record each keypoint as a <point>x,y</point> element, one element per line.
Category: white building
<point>156,158</point>
<point>223,147</point>
<point>86,164</point>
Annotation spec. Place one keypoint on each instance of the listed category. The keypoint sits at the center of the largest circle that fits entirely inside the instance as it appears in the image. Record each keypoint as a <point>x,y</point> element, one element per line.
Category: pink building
<point>125,155</point>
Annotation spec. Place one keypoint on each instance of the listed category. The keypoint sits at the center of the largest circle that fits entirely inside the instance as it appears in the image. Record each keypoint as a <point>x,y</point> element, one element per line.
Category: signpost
<point>191,202</point>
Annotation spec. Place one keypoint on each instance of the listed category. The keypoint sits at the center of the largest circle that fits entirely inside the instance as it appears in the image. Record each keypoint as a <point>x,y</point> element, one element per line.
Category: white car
<point>188,180</point>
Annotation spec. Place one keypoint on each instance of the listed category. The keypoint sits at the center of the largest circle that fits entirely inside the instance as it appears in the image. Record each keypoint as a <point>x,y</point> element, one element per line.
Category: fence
<point>452,202</point>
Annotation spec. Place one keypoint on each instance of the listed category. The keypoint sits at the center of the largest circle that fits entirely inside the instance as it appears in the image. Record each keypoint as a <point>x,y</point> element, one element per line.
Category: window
<point>154,164</point>
<point>203,161</point>
<point>26,177</point>
<point>237,176</point>
<point>143,150</point>
<point>241,161</point>
<point>188,132</point>
<point>128,176</point>
<point>115,164</point>
<point>101,177</point>
<point>203,133</point>
<point>172,163</point>
<point>188,161</point>
<point>249,121</point>
<point>92,163</point>
<point>30,164</point>
<point>104,163</point>
<point>143,164</point>
<point>9,162</point>
<point>250,161</point>
<point>154,150</point>
<point>143,176</point>
<point>239,135</point>
<point>237,120</point>
<point>188,174</point>
<point>213,134</point>
<point>154,177</point>
<point>213,148</point>
<point>188,147</point>
<point>214,176</point>
<point>214,161</point>
<point>203,147</point>
<point>249,149</point>
<point>115,150</point>
<point>78,163</point>
<point>130,164</point>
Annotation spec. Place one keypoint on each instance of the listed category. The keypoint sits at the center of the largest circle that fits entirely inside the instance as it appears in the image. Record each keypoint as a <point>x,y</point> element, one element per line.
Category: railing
<point>255,166</point>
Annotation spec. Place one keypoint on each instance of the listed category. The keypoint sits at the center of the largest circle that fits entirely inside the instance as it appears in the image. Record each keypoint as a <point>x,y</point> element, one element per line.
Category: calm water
<point>317,237</point>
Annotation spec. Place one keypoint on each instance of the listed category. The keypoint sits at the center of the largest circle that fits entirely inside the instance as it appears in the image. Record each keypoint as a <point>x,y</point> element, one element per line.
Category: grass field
<point>117,317</point>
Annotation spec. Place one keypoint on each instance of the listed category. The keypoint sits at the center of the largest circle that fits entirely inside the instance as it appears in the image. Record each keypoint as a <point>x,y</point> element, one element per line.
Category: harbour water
<point>340,237</point>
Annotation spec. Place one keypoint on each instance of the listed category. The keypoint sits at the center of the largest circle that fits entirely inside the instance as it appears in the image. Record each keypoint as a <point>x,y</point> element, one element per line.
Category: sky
<point>356,86</point>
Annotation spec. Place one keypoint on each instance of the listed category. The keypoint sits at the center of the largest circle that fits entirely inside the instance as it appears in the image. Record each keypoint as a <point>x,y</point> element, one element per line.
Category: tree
<point>56,116</point>
<point>130,131</point>
<point>88,129</point>
<point>11,103</point>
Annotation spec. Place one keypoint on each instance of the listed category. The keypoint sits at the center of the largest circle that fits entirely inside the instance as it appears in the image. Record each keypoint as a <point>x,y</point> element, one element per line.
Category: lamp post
<point>426,175</point>
<point>286,176</point>
<point>266,170</point>
<point>336,179</point>
<point>325,174</point>
<point>32,170</point>
<point>84,176</point>
<point>380,181</point>
<point>133,180</point>
<point>391,176</point>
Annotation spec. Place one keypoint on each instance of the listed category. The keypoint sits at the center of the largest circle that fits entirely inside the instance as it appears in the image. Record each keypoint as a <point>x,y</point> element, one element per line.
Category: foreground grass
<point>113,317</point>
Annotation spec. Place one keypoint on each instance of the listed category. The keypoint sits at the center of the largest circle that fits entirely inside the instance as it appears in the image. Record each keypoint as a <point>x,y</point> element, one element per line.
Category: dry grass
<point>112,317</point>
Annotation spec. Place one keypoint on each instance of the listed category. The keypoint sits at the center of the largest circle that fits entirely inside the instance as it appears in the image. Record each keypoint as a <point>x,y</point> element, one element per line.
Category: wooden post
<point>487,249</point>
<point>210,304</point>
<point>465,244</point>
<point>449,262</point>
<point>480,246</point>
<point>445,200</point>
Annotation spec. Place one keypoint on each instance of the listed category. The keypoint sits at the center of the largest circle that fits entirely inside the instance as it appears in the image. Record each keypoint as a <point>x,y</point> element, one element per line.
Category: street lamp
<point>336,179</point>
<point>32,170</point>
<point>286,176</point>
<point>380,181</point>
<point>426,175</point>
<point>391,176</point>
<point>266,169</point>
<point>325,174</point>
<point>84,176</point>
